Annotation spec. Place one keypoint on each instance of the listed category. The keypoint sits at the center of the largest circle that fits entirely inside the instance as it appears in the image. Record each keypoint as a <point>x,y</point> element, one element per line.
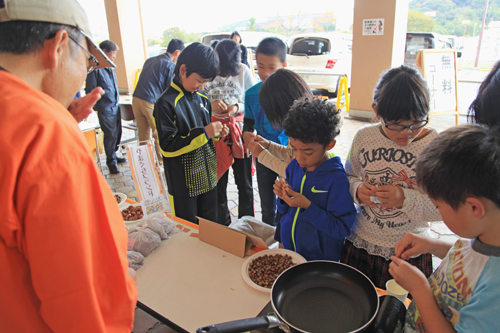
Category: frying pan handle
<point>242,325</point>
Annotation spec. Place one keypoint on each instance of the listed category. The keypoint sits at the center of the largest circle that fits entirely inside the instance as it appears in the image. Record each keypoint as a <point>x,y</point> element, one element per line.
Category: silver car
<point>321,59</point>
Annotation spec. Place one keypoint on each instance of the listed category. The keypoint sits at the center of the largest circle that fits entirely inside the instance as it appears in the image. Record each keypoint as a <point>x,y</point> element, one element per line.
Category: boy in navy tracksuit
<point>182,116</point>
<point>318,210</point>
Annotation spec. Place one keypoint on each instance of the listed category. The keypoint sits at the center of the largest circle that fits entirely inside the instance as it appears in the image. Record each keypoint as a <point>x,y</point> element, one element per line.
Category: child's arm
<point>413,280</point>
<point>338,217</point>
<point>248,121</point>
<point>171,143</point>
<point>216,130</point>
<point>361,192</point>
<point>278,188</point>
<point>272,155</point>
<point>412,244</point>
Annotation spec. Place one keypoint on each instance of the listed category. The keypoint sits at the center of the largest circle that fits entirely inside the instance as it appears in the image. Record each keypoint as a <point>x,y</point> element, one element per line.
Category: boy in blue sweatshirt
<point>318,211</point>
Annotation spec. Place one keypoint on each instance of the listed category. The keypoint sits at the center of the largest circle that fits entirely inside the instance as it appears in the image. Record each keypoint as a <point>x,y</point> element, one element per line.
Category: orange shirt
<point>63,263</point>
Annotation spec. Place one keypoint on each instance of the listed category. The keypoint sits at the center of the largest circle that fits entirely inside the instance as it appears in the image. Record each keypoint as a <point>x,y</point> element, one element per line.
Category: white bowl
<point>122,196</point>
<point>296,258</point>
<point>131,224</point>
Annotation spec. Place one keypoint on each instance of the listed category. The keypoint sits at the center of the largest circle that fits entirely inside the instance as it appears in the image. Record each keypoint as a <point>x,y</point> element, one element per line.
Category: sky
<point>210,16</point>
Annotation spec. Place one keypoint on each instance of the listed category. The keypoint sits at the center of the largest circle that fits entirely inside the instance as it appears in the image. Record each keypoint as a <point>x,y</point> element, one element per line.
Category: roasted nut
<point>132,213</point>
<point>265,269</point>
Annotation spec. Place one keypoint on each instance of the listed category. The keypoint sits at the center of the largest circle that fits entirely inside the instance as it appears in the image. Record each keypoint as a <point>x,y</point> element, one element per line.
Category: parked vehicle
<point>251,39</point>
<point>321,59</point>
<point>425,40</point>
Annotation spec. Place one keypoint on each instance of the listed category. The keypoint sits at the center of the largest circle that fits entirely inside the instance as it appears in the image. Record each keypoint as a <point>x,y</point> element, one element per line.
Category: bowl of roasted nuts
<point>120,199</point>
<point>132,214</point>
<point>261,269</point>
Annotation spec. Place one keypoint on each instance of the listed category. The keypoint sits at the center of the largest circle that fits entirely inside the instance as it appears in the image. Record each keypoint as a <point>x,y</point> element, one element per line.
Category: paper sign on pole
<point>147,182</point>
<point>373,27</point>
<point>439,68</point>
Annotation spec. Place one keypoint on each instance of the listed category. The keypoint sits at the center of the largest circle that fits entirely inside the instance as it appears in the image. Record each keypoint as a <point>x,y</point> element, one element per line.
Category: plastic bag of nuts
<point>265,269</point>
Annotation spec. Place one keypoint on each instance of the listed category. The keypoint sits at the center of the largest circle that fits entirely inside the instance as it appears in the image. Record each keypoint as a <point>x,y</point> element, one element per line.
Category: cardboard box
<point>230,240</point>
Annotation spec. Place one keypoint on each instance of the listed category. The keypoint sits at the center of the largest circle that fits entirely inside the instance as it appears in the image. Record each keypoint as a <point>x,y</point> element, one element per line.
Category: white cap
<point>67,12</point>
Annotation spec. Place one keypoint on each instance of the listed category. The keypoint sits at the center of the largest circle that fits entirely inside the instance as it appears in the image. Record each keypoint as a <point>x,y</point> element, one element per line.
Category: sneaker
<point>121,160</point>
<point>113,169</point>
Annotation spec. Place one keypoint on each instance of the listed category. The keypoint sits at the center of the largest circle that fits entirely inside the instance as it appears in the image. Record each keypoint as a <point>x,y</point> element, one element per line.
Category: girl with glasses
<point>381,172</point>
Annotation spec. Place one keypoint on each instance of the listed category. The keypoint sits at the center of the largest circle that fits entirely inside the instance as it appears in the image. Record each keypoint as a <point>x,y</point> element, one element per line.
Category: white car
<point>321,59</point>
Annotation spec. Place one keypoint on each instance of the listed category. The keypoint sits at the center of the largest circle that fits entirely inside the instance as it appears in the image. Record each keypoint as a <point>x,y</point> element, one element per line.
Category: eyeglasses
<point>412,126</point>
<point>93,63</point>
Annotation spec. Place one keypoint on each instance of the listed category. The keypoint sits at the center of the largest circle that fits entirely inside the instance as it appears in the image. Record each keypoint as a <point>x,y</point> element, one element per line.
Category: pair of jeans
<point>265,181</point>
<point>110,120</point>
<point>143,113</point>
<point>242,169</point>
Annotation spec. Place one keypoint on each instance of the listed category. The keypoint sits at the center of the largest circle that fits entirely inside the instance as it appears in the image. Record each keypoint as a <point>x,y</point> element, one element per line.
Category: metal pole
<point>481,33</point>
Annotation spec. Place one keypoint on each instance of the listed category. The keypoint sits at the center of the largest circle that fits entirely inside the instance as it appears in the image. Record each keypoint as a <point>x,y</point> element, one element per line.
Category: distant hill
<point>288,25</point>
<point>449,14</point>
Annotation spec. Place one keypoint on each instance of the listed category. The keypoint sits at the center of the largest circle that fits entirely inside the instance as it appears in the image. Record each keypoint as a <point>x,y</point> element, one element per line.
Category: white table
<point>188,284</point>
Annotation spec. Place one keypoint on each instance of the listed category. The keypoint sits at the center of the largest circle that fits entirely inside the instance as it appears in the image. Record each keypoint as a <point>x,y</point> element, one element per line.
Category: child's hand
<point>229,111</point>
<point>247,137</point>
<point>219,106</point>
<point>225,131</point>
<point>255,148</point>
<point>278,187</point>
<point>407,276</point>
<point>293,199</point>
<point>410,245</point>
<point>364,192</point>
<point>390,196</point>
<point>263,142</point>
<point>214,129</point>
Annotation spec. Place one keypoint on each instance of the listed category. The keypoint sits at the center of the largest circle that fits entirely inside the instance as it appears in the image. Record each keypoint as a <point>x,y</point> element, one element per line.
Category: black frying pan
<point>317,296</point>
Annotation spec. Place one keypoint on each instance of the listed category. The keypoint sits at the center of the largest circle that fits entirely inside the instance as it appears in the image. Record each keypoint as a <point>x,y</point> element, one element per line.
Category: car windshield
<point>310,46</point>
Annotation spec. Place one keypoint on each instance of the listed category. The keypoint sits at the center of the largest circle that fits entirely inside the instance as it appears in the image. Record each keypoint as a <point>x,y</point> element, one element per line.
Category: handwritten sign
<point>373,27</point>
<point>147,183</point>
<point>439,68</point>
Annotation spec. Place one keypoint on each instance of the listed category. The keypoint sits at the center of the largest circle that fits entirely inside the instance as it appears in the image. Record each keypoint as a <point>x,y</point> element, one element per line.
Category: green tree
<point>175,32</point>
<point>251,25</point>
<point>418,21</point>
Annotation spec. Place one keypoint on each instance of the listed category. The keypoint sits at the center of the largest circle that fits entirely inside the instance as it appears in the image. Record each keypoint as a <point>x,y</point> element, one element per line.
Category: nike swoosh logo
<point>314,190</point>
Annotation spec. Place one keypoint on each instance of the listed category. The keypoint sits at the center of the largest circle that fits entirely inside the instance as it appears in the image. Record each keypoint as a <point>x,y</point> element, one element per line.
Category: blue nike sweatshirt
<point>318,232</point>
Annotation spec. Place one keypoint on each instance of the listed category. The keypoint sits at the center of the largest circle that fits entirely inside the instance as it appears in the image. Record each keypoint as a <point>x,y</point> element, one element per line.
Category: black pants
<point>242,169</point>
<point>111,124</point>
<point>265,180</point>
<point>203,205</point>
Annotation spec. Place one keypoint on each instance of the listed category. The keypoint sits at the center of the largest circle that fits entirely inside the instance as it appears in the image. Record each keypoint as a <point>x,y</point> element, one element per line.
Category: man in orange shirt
<point>63,263</point>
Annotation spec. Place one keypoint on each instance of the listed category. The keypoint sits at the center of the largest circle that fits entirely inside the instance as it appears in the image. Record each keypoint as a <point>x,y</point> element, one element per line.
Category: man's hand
<point>81,107</point>
<point>132,273</point>
<point>216,129</point>
<point>390,196</point>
